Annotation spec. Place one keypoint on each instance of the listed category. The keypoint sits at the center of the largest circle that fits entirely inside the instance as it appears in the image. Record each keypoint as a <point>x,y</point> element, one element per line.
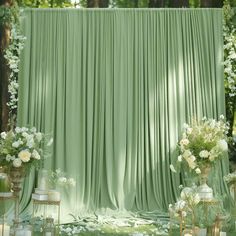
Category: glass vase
<point>16,175</point>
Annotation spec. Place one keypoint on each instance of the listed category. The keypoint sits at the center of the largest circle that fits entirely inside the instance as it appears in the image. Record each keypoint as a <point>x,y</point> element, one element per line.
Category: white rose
<point>35,155</point>
<point>3,135</point>
<point>204,154</point>
<point>198,171</point>
<point>222,144</point>
<point>180,158</point>
<point>24,155</point>
<point>191,163</point>
<point>186,154</point>
<point>17,162</point>
<point>184,141</point>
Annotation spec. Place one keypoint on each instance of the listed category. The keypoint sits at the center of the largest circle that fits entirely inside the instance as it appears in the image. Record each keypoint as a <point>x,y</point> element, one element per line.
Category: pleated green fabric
<point>114,88</point>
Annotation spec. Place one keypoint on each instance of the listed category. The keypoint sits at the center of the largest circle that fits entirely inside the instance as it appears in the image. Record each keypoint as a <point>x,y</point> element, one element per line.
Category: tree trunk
<point>218,3</point>
<point>4,72</point>
<point>103,3</point>
<point>207,3</point>
<point>93,3</point>
<point>212,3</point>
<point>179,3</point>
<point>156,3</point>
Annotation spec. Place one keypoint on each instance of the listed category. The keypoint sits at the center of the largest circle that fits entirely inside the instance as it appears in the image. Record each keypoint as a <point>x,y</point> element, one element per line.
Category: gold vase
<point>16,176</point>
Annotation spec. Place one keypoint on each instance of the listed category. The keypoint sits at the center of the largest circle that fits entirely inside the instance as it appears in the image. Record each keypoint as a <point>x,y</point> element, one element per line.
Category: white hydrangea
<point>204,154</point>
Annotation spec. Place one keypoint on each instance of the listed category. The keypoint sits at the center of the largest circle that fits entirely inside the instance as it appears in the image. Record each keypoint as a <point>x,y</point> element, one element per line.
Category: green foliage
<point>8,15</point>
<point>194,3</point>
<point>45,3</point>
<point>130,3</point>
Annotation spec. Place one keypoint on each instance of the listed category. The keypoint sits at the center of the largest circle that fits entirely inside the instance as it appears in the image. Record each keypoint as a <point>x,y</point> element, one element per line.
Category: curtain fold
<point>114,88</point>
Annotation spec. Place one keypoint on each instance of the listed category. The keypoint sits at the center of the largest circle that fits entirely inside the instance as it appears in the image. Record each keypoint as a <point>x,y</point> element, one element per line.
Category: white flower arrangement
<point>60,178</point>
<point>230,178</point>
<point>20,147</point>
<point>229,34</point>
<point>202,143</point>
<point>189,199</point>
<point>12,54</point>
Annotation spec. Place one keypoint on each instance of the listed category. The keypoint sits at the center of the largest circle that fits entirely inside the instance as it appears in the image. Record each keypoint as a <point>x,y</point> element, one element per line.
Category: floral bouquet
<point>58,178</point>
<point>230,178</point>
<point>186,206</point>
<point>21,148</point>
<point>189,199</point>
<point>202,143</point>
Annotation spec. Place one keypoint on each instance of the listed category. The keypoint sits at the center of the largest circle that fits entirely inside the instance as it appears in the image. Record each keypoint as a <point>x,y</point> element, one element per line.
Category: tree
<point>4,70</point>
<point>179,3</point>
<point>156,3</point>
<point>211,3</point>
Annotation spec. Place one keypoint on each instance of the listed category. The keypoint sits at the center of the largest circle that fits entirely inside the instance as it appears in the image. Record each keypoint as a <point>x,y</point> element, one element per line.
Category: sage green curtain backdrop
<point>114,88</point>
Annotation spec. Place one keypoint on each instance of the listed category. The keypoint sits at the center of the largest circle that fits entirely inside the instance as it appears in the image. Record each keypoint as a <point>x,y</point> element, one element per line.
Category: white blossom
<point>173,168</point>
<point>3,135</point>
<point>17,162</point>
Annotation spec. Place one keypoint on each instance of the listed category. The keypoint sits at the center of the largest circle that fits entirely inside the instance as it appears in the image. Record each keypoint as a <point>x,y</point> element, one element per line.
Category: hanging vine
<point>9,18</point>
<point>229,35</point>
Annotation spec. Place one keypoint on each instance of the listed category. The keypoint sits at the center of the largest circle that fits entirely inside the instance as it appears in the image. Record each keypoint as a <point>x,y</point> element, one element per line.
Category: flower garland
<point>9,17</point>
<point>12,55</point>
<point>230,178</point>
<point>229,34</point>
